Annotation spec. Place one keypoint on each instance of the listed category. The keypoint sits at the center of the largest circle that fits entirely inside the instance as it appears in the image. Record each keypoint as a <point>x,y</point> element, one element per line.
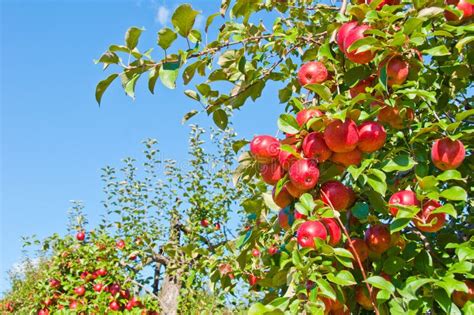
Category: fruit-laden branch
<point>354,252</point>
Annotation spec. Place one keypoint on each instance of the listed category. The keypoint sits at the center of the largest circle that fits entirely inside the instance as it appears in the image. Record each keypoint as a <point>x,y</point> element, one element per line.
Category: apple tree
<point>367,208</point>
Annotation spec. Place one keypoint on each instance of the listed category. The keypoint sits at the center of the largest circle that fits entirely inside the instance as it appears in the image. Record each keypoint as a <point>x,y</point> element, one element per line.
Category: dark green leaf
<point>381,283</point>
<point>103,85</point>
<point>220,118</point>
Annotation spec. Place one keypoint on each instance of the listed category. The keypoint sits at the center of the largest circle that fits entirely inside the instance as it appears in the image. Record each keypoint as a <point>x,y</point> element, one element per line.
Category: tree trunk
<point>169,293</point>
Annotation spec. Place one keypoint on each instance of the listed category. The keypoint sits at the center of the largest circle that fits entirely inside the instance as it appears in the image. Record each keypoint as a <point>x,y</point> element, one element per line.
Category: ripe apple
<point>464,6</point>
<point>129,306</point>
<point>54,283</point>
<point>271,173</point>
<point>217,226</point>
<point>305,115</point>
<point>135,301</point>
<point>360,248</point>
<point>336,194</point>
<point>253,280</point>
<point>333,230</point>
<point>255,252</point>
<point>308,231</point>
<point>461,298</point>
<point>73,304</point>
<point>352,36</point>
<point>48,302</point>
<point>377,238</point>
<point>285,218</point>
<point>347,159</point>
<point>120,244</point>
<point>403,198</point>
<point>427,222</point>
<point>98,287</point>
<point>312,72</point>
<point>265,149</point>
<point>273,250</point>
<point>283,198</point>
<point>304,174</point>
<point>362,297</point>
<point>341,136</point>
<point>80,236</point>
<point>314,147</point>
<point>204,223</point>
<point>372,136</point>
<point>342,34</point>
<point>43,312</point>
<point>286,159</point>
<point>84,275</point>
<point>396,117</point>
<point>114,306</point>
<point>397,70</point>
<point>447,154</point>
<point>80,290</point>
<point>125,294</point>
<point>114,288</point>
<point>361,86</point>
<point>293,191</point>
<point>299,216</point>
<point>102,272</point>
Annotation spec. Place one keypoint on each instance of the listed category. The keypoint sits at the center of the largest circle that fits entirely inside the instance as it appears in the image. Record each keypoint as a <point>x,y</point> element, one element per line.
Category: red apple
<point>253,280</point>
<point>255,252</point>
<point>98,287</point>
<point>43,312</point>
<point>273,250</point>
<point>204,223</point>
<point>306,115</point>
<point>114,288</point>
<point>304,174</point>
<point>265,149</point>
<point>80,236</point>
<point>352,36</point>
<point>397,70</point>
<point>362,297</point>
<point>285,218</point>
<point>403,198</point>
<point>283,198</point>
<point>372,136</point>
<point>299,216</point>
<point>54,283</point>
<point>341,136</point>
<point>308,231</point>
<point>464,6</point>
<point>314,147</point>
<point>73,305</point>
<point>336,194</point>
<point>333,230</point>
<point>80,290</point>
<point>447,154</point>
<point>377,238</point>
<point>461,298</point>
<point>360,248</point>
<point>427,222</point>
<point>101,272</point>
<point>114,306</point>
<point>286,159</point>
<point>361,86</point>
<point>395,117</point>
<point>347,159</point>
<point>48,302</point>
<point>217,226</point>
<point>293,191</point>
<point>342,34</point>
<point>312,72</point>
<point>120,244</point>
<point>271,173</point>
<point>129,306</point>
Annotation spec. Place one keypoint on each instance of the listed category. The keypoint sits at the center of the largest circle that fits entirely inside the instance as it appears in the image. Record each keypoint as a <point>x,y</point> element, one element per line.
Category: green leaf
<point>260,309</point>
<point>130,86</point>
<point>220,118</point>
<point>322,90</point>
<point>168,75</point>
<point>166,37</point>
<point>209,21</point>
<point>460,44</point>
<point>377,180</point>
<point>192,94</point>
<point>411,25</point>
<point>287,123</point>
<point>399,224</point>
<point>183,19</point>
<point>103,85</point>
<point>343,278</point>
<point>437,51</point>
<point>152,77</point>
<point>464,114</point>
<point>189,115</point>
<point>360,210</point>
<point>326,289</point>
<point>430,11</point>
<point>393,264</point>
<point>402,162</point>
<point>381,283</point>
<point>131,37</point>
<point>366,41</point>
<point>454,193</point>
<point>449,175</point>
<point>448,209</point>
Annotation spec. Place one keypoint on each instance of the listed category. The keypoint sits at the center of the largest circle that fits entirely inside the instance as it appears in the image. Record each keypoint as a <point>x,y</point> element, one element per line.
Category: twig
<point>427,244</point>
<point>354,251</point>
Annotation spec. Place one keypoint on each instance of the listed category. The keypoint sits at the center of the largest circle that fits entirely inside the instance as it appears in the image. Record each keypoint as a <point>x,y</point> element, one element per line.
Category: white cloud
<point>162,15</point>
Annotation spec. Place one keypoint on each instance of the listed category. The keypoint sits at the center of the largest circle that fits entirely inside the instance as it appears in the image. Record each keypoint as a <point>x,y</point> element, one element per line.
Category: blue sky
<point>55,138</point>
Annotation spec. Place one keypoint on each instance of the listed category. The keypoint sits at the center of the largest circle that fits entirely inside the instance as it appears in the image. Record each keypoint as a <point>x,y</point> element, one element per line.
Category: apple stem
<point>354,251</point>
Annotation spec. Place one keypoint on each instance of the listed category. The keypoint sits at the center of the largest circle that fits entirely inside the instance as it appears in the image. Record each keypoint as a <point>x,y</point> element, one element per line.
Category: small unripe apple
<point>308,231</point>
<point>304,174</point>
<point>361,86</point>
<point>427,222</point>
<point>361,249</point>
<point>80,236</point>
<point>352,36</point>
<point>283,198</point>
<point>333,230</point>
<point>265,149</point>
<point>306,115</point>
<point>377,238</point>
<point>402,198</point>
<point>342,34</point>
<point>120,244</point>
<point>80,290</point>
<point>447,154</point>
<point>204,223</point>
<point>334,193</point>
<point>362,297</point>
<point>271,173</point>
<point>285,218</point>
<point>315,147</point>
<point>286,159</point>
<point>347,159</point>
<point>341,136</point>
<point>312,72</point>
<point>372,136</point>
<point>461,298</point>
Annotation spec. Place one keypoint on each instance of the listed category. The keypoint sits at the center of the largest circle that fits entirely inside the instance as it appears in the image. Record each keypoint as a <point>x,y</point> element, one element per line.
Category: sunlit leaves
<point>166,37</point>
<point>183,19</point>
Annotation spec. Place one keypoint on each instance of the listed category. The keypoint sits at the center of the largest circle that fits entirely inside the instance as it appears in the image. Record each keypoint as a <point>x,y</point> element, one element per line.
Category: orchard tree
<point>369,208</point>
<point>164,230</point>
